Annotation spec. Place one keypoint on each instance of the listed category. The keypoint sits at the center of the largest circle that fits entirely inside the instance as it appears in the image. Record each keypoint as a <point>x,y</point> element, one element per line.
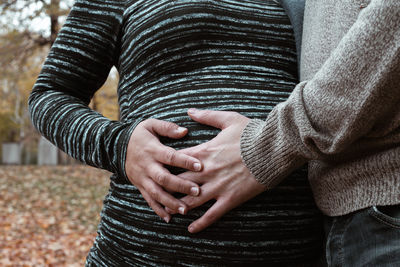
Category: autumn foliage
<point>23,49</point>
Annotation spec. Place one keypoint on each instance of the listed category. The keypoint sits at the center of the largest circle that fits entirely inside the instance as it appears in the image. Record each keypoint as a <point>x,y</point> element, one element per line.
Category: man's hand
<point>224,177</point>
<point>145,161</point>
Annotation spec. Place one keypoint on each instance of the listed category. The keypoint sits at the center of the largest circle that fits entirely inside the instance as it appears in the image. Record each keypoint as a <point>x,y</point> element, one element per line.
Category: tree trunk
<point>54,24</point>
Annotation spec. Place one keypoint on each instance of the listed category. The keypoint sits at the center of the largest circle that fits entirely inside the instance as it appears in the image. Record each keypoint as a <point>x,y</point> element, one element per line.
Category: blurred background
<point>49,203</point>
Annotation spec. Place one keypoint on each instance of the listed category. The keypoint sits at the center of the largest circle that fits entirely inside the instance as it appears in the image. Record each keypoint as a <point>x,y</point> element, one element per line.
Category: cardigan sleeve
<point>351,103</point>
<point>77,65</point>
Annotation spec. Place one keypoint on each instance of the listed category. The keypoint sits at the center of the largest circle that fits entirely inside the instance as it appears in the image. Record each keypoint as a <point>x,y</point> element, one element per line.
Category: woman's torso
<point>223,55</point>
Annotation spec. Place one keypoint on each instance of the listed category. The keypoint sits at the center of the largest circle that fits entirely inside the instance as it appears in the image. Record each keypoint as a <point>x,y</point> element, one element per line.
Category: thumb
<point>165,128</point>
<point>217,119</point>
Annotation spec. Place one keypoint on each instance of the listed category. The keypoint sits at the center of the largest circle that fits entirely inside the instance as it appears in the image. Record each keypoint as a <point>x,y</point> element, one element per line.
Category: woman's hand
<point>224,177</point>
<point>144,166</point>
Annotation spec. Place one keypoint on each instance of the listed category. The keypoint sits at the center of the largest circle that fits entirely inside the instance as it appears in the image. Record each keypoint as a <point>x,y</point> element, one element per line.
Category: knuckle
<point>182,187</point>
<point>170,156</point>
<point>154,193</point>
<point>160,178</point>
<point>145,123</point>
<point>167,126</point>
<point>206,113</point>
<point>175,205</point>
<point>187,163</point>
<point>207,170</point>
<point>190,202</point>
<point>141,124</point>
<point>203,146</point>
<point>148,169</point>
<point>151,124</point>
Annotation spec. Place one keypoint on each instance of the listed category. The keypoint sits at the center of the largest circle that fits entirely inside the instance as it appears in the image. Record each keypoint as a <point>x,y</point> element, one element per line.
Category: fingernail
<point>182,210</point>
<point>192,111</point>
<point>197,166</point>
<point>181,130</point>
<point>191,229</point>
<point>167,219</point>
<point>194,191</point>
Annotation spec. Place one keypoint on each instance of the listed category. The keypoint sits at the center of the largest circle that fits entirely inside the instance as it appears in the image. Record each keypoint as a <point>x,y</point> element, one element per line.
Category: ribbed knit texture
<point>173,55</point>
<point>344,118</point>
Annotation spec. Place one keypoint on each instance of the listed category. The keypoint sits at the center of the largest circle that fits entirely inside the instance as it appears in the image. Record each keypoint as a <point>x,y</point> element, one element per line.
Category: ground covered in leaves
<point>49,215</point>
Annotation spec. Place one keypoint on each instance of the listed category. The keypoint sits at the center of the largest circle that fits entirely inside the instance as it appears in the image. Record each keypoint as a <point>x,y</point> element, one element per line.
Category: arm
<point>77,65</point>
<point>335,113</point>
<point>340,108</point>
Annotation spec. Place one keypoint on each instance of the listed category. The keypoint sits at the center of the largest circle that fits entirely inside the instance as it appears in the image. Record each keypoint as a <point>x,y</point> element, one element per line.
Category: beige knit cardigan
<point>344,118</point>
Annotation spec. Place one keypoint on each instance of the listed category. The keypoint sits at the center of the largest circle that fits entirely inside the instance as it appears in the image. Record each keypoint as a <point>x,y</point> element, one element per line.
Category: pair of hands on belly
<point>215,165</point>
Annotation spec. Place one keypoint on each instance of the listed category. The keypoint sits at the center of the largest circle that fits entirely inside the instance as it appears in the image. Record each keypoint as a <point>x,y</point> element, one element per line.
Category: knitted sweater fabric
<point>344,117</point>
<point>171,56</point>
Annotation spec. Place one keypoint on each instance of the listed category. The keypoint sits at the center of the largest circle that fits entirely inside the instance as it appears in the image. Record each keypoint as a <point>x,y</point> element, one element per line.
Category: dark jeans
<point>369,237</point>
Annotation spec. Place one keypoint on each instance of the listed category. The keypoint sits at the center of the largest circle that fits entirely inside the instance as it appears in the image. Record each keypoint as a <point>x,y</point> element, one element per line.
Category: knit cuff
<point>123,149</point>
<point>264,150</point>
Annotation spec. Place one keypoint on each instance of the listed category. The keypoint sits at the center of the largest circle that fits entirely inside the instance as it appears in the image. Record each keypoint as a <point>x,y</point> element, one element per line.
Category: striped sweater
<point>173,55</point>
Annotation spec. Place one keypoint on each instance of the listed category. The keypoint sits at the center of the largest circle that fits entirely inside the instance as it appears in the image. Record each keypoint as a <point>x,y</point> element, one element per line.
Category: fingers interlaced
<point>145,168</point>
<point>171,157</point>
<point>157,194</point>
<point>196,201</point>
<point>171,182</point>
<point>195,177</point>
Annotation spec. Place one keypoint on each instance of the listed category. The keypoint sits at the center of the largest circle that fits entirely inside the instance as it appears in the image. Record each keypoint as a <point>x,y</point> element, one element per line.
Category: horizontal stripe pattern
<point>171,56</point>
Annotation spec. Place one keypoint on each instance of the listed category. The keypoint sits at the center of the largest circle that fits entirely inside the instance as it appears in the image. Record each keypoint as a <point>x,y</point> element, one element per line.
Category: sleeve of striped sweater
<point>352,101</point>
<point>77,65</point>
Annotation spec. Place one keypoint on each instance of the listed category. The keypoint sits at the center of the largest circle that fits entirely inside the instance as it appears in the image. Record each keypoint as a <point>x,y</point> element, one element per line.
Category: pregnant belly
<point>280,224</point>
